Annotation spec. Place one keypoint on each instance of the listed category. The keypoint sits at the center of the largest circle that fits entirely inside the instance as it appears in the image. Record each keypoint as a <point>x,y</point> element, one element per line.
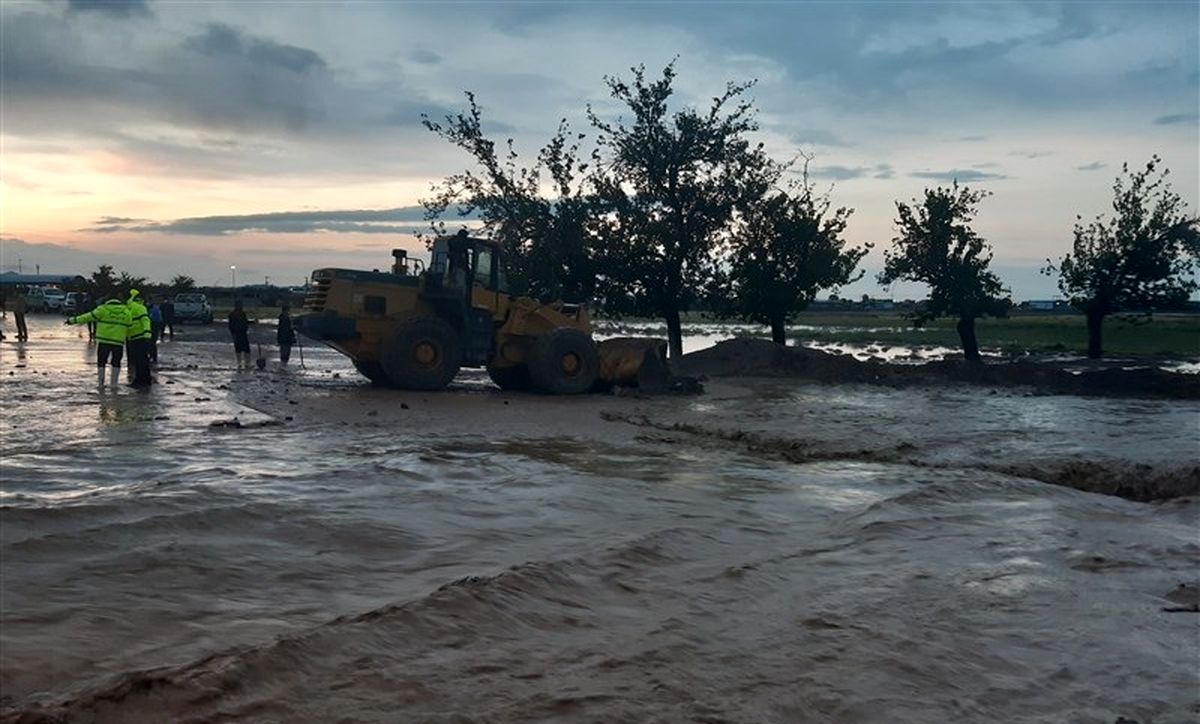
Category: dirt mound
<point>745,357</point>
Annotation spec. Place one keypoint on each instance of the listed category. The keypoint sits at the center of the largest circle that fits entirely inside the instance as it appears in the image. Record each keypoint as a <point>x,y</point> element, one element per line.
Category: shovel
<point>261,362</point>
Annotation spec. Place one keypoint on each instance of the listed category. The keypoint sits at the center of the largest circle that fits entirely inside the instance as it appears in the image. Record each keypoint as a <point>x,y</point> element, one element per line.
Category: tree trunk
<point>1095,327</point>
<point>966,333</point>
<point>674,334</point>
<point>778,333</point>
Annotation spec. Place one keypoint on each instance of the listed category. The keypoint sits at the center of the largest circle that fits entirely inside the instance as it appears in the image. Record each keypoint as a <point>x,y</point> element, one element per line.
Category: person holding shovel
<point>285,336</point>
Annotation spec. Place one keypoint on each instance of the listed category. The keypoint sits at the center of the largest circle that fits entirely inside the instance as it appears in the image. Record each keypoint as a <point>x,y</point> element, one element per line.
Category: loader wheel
<point>372,371</point>
<point>564,362</point>
<point>510,378</point>
<point>422,354</point>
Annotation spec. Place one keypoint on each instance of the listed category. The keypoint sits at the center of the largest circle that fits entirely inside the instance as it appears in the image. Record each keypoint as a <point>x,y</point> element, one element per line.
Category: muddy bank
<point>746,357</point>
<point>1142,482</point>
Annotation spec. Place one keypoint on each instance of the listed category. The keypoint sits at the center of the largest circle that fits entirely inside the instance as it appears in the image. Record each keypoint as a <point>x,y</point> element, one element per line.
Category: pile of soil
<point>747,357</point>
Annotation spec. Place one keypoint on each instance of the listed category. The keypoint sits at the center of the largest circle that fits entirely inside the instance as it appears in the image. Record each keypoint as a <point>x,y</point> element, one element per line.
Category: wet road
<point>486,556</point>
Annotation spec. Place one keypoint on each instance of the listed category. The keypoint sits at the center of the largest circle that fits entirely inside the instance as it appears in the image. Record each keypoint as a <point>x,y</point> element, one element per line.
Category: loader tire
<point>564,362</point>
<point>372,371</point>
<point>422,354</point>
<point>510,378</point>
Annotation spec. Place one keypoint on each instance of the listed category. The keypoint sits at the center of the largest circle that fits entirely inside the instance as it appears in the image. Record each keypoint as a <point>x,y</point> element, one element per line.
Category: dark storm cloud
<point>219,39</point>
<point>425,57</point>
<point>1093,166</point>
<point>818,137</point>
<point>845,173</point>
<point>401,220</point>
<point>964,175</point>
<point>220,78</point>
<point>111,8</point>
<point>1177,119</point>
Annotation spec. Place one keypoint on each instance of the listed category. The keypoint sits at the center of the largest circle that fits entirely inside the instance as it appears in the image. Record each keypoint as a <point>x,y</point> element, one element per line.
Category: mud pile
<point>745,357</point>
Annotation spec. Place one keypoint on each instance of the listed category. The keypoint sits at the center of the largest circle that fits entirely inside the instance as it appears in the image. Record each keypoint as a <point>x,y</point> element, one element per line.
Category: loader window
<point>483,267</point>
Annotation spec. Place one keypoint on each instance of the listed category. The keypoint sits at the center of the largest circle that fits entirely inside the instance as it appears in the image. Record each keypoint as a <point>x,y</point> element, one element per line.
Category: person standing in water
<point>285,336</point>
<point>137,346</point>
<point>19,308</point>
<point>239,329</point>
<point>112,328</point>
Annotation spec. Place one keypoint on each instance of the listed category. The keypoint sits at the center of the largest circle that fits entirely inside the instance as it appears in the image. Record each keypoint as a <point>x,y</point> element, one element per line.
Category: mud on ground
<point>747,357</point>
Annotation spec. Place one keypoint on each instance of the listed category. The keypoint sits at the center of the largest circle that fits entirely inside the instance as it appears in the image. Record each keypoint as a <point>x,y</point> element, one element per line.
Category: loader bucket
<point>639,362</point>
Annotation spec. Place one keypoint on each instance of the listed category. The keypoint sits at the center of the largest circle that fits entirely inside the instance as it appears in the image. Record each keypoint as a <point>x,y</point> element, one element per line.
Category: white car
<point>192,307</point>
<point>45,299</point>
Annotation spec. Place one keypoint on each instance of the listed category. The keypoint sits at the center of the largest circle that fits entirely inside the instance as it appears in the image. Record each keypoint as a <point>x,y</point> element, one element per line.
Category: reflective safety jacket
<point>139,319</point>
<point>112,321</point>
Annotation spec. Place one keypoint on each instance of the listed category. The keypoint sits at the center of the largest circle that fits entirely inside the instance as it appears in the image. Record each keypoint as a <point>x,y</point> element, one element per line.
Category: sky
<point>188,137</point>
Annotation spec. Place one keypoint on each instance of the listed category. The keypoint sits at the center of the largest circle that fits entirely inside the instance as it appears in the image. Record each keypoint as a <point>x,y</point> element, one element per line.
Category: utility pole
<point>233,275</point>
<point>18,266</point>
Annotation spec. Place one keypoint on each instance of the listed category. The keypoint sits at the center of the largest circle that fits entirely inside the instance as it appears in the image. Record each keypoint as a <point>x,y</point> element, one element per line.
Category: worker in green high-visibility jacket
<point>137,346</point>
<point>112,330</point>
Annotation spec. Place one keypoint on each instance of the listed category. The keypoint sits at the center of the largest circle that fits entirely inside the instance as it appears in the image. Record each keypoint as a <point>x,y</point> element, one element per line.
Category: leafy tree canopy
<point>937,247</point>
<point>670,182</point>
<point>1142,257</point>
<point>786,247</point>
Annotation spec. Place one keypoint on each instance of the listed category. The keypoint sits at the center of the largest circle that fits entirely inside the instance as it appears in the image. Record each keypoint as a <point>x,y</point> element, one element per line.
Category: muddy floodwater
<point>769,551</point>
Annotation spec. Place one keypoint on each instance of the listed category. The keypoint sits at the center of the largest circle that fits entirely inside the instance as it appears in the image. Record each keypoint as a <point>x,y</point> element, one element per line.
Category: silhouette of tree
<point>181,283</point>
<point>102,282</point>
<point>670,184</point>
<point>128,281</point>
<point>786,247</point>
<point>547,244</point>
<point>1140,259</point>
<point>938,248</point>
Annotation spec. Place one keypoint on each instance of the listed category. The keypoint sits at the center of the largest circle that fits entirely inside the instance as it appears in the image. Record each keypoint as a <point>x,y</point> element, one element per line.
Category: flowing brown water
<point>481,556</point>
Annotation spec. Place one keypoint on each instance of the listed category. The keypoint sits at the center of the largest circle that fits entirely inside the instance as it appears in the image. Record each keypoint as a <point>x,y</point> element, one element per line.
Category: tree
<point>670,184</point>
<point>1142,258</point>
<point>938,248</point>
<point>128,281</point>
<point>546,240</point>
<point>181,283</point>
<point>102,283</point>
<point>786,247</point>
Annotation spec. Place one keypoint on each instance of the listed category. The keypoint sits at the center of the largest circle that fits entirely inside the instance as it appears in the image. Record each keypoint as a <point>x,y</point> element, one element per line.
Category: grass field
<point>1164,335</point>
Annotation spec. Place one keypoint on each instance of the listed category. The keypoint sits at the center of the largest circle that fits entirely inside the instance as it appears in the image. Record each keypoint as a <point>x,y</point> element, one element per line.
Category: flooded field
<point>766,551</point>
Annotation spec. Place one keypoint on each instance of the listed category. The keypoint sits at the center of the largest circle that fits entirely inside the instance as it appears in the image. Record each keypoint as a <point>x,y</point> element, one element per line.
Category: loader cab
<point>484,261</point>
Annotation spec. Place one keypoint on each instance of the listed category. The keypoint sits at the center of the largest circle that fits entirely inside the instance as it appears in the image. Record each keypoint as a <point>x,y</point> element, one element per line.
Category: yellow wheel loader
<point>414,327</point>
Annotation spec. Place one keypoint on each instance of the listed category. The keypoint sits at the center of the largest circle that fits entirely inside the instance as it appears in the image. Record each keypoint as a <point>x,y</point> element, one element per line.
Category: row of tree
<point>672,209</point>
<point>106,282</point>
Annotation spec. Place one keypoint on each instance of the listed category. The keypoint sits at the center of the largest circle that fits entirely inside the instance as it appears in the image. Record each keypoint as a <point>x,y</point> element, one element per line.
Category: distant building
<point>1041,305</point>
<point>13,279</point>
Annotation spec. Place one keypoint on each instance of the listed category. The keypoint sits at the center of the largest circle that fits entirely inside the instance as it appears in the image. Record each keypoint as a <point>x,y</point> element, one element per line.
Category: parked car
<point>45,299</point>
<point>75,303</point>
<point>192,307</point>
